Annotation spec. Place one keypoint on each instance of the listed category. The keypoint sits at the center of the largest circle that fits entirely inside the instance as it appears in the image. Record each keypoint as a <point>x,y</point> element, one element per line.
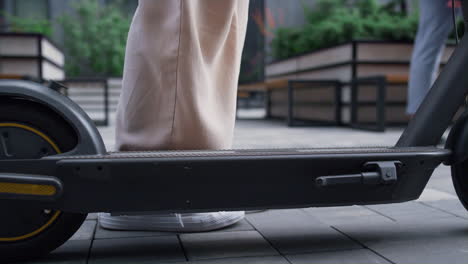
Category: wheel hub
<point>23,221</point>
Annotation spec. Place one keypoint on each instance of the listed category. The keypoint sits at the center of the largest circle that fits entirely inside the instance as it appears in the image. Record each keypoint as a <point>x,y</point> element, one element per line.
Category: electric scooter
<point>54,167</point>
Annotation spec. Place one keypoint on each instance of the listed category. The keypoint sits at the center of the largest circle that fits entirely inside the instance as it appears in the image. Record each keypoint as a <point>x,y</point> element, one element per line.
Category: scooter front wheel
<point>28,130</point>
<point>460,181</point>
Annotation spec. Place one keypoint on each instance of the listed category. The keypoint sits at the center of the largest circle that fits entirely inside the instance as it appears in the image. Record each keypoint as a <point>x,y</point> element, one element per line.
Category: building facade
<point>265,17</point>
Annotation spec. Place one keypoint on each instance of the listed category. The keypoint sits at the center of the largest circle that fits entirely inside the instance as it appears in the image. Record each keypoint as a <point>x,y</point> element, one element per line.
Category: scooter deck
<point>238,153</point>
<point>179,181</point>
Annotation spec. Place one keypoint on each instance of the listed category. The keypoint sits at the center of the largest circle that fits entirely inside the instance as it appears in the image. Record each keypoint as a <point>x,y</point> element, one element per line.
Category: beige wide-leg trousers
<point>181,72</point>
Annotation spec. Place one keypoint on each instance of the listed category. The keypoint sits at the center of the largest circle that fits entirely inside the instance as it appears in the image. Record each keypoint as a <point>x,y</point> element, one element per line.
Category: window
<point>37,9</point>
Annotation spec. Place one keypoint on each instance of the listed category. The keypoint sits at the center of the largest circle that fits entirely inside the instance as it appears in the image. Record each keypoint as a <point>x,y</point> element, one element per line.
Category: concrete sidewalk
<point>433,229</point>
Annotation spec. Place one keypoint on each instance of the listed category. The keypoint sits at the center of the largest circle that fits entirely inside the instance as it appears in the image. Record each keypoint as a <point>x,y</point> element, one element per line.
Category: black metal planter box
<point>30,55</point>
<point>347,63</point>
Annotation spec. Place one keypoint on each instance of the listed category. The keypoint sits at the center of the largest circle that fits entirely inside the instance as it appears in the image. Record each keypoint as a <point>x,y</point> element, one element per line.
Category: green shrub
<point>337,21</point>
<point>95,39</point>
<point>29,25</point>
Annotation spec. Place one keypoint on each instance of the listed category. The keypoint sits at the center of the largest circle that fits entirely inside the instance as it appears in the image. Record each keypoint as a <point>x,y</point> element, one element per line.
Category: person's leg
<point>435,24</point>
<point>181,73</point>
<point>179,91</point>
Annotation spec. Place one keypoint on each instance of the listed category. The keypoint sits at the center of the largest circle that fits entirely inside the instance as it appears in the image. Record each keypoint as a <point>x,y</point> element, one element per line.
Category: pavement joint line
<point>88,257</point>
<point>362,244</point>
<point>379,213</point>
<point>269,242</point>
<point>442,210</point>
<point>183,248</point>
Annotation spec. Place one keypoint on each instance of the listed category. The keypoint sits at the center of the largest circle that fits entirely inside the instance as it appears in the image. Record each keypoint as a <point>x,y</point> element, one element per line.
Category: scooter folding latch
<point>375,173</point>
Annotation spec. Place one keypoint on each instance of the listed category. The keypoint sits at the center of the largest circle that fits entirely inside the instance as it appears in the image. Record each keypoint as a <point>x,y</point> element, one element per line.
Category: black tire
<point>460,181</point>
<point>59,226</point>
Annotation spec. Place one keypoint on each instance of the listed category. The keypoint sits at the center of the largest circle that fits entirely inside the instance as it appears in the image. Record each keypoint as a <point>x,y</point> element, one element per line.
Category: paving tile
<point>242,225</point>
<point>295,231</point>
<point>86,231</point>
<point>240,260</point>
<point>225,245</point>
<point>137,250</point>
<point>408,210</point>
<point>426,241</point>
<point>72,252</point>
<point>338,257</point>
<point>422,230</point>
<point>428,252</point>
<point>102,233</point>
<point>442,181</point>
<point>346,214</point>
<point>268,133</point>
<point>452,206</point>
<point>246,260</point>
<point>431,194</point>
<point>92,216</point>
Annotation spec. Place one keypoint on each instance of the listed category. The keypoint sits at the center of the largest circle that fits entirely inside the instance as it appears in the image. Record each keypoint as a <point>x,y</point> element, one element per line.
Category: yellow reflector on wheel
<point>27,189</point>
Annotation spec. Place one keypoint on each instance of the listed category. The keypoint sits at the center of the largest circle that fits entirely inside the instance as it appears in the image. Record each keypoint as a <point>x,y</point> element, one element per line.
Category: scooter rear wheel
<point>29,130</point>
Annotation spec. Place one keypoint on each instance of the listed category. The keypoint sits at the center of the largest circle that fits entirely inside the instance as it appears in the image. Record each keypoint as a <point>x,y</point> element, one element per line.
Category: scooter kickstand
<point>384,172</point>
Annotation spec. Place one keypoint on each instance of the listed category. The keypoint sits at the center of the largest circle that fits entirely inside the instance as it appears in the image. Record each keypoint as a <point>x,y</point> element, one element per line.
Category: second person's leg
<point>435,24</point>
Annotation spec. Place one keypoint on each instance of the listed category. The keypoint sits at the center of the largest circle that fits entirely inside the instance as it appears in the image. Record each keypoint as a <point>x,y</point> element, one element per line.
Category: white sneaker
<point>196,222</point>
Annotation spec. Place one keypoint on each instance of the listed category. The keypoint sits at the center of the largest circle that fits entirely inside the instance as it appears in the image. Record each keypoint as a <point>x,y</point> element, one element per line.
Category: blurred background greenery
<point>93,35</point>
<point>333,22</point>
<point>95,39</point>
